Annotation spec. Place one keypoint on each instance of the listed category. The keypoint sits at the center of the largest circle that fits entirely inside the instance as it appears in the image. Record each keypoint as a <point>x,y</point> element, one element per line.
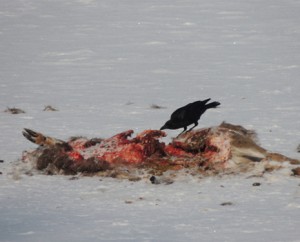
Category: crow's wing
<point>181,113</point>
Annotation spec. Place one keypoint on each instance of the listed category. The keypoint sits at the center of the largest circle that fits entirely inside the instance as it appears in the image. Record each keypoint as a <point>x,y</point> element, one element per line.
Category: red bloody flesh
<point>209,147</point>
<point>121,148</point>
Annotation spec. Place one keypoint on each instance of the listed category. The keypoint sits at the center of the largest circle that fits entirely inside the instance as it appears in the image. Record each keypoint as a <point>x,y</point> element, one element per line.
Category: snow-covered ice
<point>102,64</point>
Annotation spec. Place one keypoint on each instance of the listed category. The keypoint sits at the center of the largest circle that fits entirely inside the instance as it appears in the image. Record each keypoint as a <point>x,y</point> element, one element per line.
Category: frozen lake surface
<point>102,64</point>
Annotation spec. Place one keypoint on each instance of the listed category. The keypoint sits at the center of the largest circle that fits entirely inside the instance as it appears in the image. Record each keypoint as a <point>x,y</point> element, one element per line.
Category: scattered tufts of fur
<point>155,106</point>
<point>50,108</point>
<point>296,171</point>
<point>14,110</point>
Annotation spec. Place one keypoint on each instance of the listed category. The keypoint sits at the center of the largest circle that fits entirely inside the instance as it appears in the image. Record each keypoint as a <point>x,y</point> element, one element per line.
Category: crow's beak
<point>163,127</point>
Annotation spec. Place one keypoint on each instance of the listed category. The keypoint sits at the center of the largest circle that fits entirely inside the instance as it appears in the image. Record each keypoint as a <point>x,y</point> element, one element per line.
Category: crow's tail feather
<point>212,105</point>
<point>205,101</point>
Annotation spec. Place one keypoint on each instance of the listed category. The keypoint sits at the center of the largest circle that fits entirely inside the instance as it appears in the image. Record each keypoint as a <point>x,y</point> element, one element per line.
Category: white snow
<point>102,64</point>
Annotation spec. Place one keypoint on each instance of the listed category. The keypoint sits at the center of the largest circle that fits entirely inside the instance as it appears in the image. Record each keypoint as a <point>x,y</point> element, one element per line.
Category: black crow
<point>189,114</point>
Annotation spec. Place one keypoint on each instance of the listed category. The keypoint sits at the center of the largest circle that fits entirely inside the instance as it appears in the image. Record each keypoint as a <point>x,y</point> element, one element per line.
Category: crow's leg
<point>184,129</point>
<point>196,123</point>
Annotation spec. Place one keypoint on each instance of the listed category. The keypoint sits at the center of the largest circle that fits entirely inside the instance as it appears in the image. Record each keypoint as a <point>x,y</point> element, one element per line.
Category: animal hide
<point>226,148</point>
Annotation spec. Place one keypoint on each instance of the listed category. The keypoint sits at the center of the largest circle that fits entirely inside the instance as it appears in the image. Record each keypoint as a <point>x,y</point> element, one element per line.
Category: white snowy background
<point>102,64</point>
